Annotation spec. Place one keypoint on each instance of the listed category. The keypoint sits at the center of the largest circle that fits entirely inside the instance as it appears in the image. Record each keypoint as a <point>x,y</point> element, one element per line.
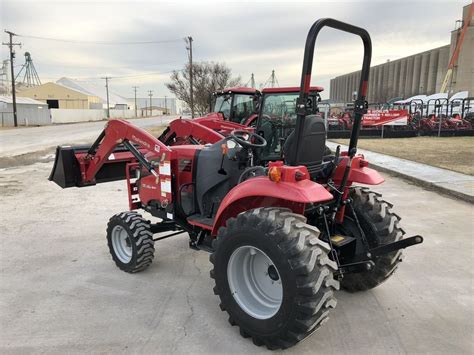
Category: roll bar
<point>438,106</point>
<point>418,103</point>
<point>465,107</point>
<point>360,106</point>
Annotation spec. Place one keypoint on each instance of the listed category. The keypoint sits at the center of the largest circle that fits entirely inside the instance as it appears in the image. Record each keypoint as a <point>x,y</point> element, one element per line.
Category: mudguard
<point>262,192</point>
<point>360,173</point>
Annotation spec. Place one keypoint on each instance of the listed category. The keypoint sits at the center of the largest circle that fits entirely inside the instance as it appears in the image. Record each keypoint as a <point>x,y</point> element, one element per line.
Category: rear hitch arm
<point>401,244</point>
<point>373,254</point>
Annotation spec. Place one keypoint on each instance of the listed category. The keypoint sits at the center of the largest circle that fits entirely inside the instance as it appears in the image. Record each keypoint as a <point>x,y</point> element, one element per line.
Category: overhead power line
<point>138,75</point>
<point>108,43</point>
<point>94,78</point>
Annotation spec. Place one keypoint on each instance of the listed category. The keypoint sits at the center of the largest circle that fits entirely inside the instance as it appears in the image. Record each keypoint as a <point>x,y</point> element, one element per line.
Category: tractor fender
<point>360,173</point>
<point>262,192</point>
<point>366,176</point>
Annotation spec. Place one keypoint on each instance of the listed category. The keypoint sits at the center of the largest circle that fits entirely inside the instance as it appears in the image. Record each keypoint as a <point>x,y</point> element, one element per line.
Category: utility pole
<point>10,45</point>
<point>135,89</point>
<point>150,93</point>
<point>273,79</point>
<point>166,107</point>
<point>107,90</point>
<point>191,96</point>
<point>252,81</point>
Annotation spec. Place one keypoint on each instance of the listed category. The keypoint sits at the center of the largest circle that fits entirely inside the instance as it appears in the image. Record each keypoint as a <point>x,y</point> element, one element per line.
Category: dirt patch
<point>41,156</point>
<point>47,155</point>
<point>155,131</point>
<point>9,187</point>
<point>452,153</point>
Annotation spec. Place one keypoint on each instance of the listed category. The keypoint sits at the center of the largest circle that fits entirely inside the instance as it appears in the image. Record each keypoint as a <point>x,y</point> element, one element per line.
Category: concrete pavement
<point>60,292</point>
<point>442,180</point>
<point>32,139</point>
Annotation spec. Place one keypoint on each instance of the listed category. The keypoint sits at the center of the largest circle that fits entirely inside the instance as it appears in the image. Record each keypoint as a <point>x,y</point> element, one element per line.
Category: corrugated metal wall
<point>421,73</point>
<point>27,115</point>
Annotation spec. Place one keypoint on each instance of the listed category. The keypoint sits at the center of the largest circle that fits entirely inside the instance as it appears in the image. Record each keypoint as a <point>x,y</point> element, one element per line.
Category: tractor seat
<point>313,152</point>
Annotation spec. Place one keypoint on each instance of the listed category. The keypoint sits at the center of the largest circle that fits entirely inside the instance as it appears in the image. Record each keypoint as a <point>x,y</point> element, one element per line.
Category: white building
<point>166,104</point>
<point>29,112</point>
<point>92,89</point>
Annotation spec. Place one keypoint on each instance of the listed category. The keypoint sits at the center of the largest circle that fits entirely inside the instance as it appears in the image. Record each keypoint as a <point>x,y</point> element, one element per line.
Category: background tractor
<point>286,226</point>
<point>271,101</point>
<point>230,109</point>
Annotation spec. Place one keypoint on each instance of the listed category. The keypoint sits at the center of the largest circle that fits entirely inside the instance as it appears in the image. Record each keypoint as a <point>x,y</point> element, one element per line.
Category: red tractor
<point>234,108</point>
<point>286,226</point>
<point>198,130</point>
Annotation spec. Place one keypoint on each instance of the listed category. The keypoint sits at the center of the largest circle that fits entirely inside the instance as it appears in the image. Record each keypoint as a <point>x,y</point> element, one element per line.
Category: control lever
<point>225,150</point>
<point>337,154</point>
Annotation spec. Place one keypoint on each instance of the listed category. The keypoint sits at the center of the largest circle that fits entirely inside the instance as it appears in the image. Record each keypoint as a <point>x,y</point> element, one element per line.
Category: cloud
<point>251,37</point>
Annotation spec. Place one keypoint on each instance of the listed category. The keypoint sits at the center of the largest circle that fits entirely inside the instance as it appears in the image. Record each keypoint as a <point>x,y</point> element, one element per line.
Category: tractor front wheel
<point>273,276</point>
<point>380,226</point>
<point>130,241</point>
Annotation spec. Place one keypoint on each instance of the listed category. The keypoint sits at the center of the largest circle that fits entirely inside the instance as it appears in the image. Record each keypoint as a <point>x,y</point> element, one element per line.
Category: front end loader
<point>286,227</point>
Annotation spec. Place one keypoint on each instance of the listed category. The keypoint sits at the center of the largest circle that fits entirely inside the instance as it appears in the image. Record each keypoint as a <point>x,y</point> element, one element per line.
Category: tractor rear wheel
<point>380,226</point>
<point>273,276</point>
<point>130,241</point>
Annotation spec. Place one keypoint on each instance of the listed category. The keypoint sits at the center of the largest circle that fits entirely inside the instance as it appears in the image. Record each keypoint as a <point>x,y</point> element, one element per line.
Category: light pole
<point>150,93</point>
<point>135,89</point>
<point>10,45</point>
<point>107,90</point>
<point>191,94</point>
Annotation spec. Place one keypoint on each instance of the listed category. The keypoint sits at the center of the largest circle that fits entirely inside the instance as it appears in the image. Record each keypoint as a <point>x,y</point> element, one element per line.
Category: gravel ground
<point>61,293</point>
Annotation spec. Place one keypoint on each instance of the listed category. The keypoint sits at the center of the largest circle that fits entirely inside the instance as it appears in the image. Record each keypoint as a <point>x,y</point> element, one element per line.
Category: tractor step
<point>202,241</point>
<point>201,221</point>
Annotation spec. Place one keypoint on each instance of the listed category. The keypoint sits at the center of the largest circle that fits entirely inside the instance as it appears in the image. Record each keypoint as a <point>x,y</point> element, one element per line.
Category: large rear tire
<point>130,241</point>
<point>273,276</point>
<point>381,226</point>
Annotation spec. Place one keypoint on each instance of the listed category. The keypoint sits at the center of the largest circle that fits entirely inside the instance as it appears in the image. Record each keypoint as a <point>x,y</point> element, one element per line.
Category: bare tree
<point>208,77</point>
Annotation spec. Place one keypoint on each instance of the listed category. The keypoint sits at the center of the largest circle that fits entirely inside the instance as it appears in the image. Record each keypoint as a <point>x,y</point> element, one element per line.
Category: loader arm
<point>119,132</point>
<point>192,129</point>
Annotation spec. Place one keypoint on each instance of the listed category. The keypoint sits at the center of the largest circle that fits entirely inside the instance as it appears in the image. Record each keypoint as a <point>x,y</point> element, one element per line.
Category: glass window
<point>278,120</point>
<point>242,108</point>
<point>223,105</point>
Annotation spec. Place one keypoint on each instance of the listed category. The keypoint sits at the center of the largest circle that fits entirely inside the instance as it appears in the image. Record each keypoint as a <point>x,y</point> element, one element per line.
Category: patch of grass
<point>452,153</point>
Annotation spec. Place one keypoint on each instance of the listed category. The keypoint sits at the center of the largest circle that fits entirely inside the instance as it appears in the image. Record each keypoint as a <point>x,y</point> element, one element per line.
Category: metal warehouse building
<point>59,96</point>
<point>422,73</point>
<point>29,112</point>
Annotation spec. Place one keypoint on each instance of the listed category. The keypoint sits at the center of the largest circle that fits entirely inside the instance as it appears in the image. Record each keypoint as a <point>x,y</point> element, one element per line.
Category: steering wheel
<point>248,139</point>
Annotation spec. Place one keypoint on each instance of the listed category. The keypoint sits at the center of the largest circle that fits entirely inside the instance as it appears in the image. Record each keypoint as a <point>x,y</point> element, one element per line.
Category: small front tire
<point>130,242</point>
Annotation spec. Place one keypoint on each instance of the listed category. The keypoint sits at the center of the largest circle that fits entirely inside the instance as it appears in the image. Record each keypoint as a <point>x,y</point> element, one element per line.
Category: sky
<point>249,36</point>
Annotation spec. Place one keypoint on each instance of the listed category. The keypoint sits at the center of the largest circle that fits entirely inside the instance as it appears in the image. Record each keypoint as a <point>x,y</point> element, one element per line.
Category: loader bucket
<point>66,171</point>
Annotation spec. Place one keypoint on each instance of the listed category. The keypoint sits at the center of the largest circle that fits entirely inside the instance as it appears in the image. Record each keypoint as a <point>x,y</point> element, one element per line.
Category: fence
<point>84,115</point>
<point>27,115</point>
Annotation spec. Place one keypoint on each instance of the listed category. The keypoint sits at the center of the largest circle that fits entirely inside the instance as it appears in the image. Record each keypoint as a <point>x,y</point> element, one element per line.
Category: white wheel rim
<point>121,244</point>
<point>254,282</point>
